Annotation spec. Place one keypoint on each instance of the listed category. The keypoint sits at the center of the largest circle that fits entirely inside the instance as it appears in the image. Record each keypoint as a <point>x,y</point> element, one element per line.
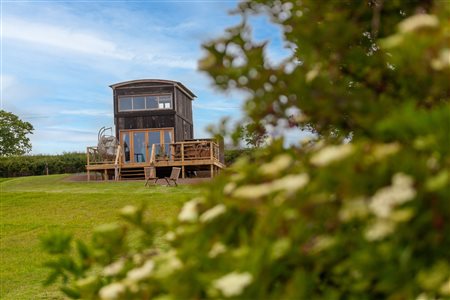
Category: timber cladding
<point>132,108</point>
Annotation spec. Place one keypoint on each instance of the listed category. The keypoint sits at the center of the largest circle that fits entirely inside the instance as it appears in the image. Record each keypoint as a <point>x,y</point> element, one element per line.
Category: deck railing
<point>93,157</point>
<point>170,152</point>
<point>185,151</point>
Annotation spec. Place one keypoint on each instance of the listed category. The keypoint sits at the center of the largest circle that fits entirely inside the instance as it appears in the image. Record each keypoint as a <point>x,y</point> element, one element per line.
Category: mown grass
<point>31,206</point>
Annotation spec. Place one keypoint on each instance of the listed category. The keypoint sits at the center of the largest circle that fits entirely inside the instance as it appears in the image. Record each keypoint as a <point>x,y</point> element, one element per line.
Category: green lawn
<point>30,206</point>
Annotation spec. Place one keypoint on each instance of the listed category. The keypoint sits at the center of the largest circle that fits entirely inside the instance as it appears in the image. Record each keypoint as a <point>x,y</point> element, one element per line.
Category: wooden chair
<point>150,174</point>
<point>173,176</point>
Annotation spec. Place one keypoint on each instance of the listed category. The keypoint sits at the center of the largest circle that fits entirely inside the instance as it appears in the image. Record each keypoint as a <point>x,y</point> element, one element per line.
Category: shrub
<point>30,165</point>
<point>329,219</point>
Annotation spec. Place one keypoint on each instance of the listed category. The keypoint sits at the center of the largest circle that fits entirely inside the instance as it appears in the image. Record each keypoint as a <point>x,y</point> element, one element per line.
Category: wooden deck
<point>191,156</point>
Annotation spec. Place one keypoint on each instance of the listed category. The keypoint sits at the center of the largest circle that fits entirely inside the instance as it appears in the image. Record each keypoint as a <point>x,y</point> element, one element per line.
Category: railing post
<point>183,175</point>
<point>211,151</point>
<point>87,167</point>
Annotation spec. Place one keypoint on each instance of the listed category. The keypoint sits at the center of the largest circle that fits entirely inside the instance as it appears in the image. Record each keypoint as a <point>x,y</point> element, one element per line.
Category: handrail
<point>179,151</point>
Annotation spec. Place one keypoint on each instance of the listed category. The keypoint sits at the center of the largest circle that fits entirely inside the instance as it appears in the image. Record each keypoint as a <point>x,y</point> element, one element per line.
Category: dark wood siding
<point>179,118</point>
<point>184,106</point>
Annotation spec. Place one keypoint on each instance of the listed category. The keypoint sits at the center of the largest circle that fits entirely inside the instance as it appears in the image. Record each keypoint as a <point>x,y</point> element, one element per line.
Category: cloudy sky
<point>59,58</point>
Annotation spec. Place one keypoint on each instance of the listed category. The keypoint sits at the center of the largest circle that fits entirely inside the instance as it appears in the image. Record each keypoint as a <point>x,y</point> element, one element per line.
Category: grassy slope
<point>32,205</point>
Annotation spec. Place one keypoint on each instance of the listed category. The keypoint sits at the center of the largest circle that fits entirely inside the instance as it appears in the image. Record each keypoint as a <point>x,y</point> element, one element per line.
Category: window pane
<point>125,104</point>
<point>139,147</point>
<point>165,101</point>
<point>167,140</point>
<point>126,147</point>
<point>152,102</point>
<point>138,103</point>
<point>154,138</point>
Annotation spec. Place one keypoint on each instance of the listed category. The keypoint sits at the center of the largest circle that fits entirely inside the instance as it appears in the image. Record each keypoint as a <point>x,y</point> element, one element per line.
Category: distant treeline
<point>28,165</point>
<point>230,155</point>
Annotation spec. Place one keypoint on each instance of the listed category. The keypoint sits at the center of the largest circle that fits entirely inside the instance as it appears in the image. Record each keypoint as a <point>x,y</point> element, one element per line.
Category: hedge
<point>29,165</point>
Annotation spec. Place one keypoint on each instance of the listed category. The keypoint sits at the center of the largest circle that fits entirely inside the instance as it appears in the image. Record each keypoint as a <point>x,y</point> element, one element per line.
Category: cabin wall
<point>179,118</point>
<point>184,106</point>
<point>183,129</point>
<point>163,119</point>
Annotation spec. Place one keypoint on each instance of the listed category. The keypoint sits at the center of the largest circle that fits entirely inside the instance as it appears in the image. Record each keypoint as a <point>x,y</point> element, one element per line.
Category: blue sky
<point>59,58</point>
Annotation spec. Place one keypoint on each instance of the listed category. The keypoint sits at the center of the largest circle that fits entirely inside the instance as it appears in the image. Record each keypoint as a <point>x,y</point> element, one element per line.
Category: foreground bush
<point>30,165</point>
<point>327,219</point>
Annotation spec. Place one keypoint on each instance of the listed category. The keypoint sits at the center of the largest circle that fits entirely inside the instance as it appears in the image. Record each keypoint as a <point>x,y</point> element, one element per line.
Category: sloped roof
<point>175,83</point>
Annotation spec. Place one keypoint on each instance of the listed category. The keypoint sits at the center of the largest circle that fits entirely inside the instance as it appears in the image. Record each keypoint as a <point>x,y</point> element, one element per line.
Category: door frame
<point>148,150</point>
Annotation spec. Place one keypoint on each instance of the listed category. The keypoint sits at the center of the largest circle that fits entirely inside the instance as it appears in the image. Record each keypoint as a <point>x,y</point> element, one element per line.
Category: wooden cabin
<point>154,127</point>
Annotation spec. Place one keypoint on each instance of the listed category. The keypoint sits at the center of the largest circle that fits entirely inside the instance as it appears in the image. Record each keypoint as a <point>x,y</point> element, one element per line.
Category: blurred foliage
<point>326,219</point>
<point>30,165</point>
<point>231,155</point>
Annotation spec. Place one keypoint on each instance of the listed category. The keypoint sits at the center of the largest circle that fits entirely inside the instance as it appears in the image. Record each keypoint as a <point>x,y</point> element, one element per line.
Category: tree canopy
<point>13,135</point>
<point>326,219</point>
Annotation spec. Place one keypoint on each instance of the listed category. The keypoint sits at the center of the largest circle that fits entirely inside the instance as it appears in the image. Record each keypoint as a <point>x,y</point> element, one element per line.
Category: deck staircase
<point>132,174</point>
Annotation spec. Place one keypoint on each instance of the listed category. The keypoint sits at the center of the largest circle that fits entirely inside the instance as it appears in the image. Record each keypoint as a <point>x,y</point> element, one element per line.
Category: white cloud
<point>87,112</point>
<point>62,37</point>
<point>7,81</point>
<point>172,61</point>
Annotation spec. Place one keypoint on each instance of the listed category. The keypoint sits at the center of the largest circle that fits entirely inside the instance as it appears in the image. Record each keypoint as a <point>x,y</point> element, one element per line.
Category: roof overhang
<point>171,82</point>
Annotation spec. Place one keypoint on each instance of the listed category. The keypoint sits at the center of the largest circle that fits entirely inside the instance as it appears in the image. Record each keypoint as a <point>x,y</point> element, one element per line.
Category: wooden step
<point>132,174</point>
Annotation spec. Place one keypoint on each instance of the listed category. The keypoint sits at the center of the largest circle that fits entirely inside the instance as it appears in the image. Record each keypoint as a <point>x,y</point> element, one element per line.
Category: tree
<point>13,135</point>
<point>253,134</point>
<point>364,219</point>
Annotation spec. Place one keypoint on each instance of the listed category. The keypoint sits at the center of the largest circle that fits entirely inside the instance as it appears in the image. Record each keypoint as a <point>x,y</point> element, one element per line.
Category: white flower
<point>313,73</point>
<point>141,273</point>
<point>392,41</point>
<point>379,230</point>
<point>383,150</point>
<point>443,61</point>
<point>331,154</point>
<point>86,283</point>
<point>280,248</point>
<point>277,165</point>
<point>114,268</point>
<point>321,243</point>
<point>353,209</point>
<point>233,284</point>
<point>167,264</point>
<point>213,213</point>
<point>112,291</point>
<point>252,191</point>
<point>290,183</point>
<point>129,211</point>
<point>189,211</point>
<point>387,198</point>
<point>418,21</point>
<point>216,249</point>
<point>170,236</point>
<point>445,288</point>
<point>229,188</point>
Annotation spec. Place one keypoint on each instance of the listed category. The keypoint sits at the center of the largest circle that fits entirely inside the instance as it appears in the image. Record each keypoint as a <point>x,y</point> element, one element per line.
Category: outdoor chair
<point>150,174</point>
<point>173,176</point>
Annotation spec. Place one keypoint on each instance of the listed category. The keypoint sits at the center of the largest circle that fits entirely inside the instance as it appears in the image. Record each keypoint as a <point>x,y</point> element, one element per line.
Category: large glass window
<point>125,103</point>
<point>165,101</point>
<point>145,102</point>
<point>138,103</point>
<point>152,102</point>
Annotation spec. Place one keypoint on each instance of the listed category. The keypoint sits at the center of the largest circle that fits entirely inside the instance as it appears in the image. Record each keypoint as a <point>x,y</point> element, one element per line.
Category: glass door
<point>139,144</point>
<point>139,147</point>
<point>154,138</point>
<point>126,147</point>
